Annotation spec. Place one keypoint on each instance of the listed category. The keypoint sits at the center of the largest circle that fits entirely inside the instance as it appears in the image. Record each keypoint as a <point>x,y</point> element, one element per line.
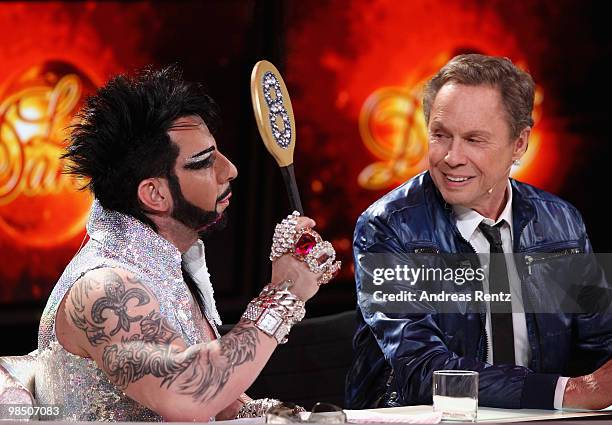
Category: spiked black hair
<point>122,134</point>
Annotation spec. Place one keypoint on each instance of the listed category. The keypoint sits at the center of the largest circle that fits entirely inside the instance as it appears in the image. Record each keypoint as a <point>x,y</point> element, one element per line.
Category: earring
<point>516,162</point>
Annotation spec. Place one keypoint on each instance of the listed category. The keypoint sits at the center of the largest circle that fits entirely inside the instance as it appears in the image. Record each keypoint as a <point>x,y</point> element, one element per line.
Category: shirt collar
<point>467,220</point>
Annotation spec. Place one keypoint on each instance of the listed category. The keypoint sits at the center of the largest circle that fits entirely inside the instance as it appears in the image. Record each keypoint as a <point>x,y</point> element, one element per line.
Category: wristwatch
<point>275,311</point>
<point>271,323</point>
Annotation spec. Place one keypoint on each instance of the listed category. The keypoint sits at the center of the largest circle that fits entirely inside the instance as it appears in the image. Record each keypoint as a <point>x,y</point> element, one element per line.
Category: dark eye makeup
<point>197,165</point>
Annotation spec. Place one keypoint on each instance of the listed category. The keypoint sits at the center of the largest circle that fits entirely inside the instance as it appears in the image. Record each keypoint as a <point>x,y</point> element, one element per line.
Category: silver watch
<point>275,311</point>
<point>272,323</point>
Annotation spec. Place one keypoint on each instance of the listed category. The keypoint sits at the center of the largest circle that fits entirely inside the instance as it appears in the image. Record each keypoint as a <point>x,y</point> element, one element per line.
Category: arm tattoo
<point>236,348</point>
<point>151,353</point>
<point>115,299</point>
<point>95,334</point>
<point>146,354</point>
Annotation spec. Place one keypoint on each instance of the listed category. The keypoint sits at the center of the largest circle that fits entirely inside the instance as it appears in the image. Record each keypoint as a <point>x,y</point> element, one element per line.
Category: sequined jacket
<point>76,383</point>
<point>396,354</point>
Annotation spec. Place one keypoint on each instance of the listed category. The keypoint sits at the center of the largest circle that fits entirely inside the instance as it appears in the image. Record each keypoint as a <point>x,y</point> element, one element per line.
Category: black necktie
<point>501,312</point>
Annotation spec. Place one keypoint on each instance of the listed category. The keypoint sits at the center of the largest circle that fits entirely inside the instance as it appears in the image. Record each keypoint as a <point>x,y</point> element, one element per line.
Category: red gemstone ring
<point>318,254</point>
<point>305,241</point>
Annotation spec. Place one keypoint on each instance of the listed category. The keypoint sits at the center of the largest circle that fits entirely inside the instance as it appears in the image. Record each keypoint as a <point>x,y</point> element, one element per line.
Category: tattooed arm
<point>115,320</point>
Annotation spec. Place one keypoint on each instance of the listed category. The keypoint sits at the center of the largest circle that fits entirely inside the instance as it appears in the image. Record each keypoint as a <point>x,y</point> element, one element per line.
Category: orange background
<point>354,70</point>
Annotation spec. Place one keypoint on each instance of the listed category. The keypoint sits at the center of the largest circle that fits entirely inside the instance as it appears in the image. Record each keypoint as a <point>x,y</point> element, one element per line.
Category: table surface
<point>485,415</point>
<point>491,415</point>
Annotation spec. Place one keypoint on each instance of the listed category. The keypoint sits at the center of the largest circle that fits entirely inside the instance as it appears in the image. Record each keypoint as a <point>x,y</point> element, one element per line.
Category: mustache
<point>225,193</point>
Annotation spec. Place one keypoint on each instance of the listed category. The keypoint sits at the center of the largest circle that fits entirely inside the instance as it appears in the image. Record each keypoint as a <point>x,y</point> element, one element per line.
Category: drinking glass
<point>455,394</point>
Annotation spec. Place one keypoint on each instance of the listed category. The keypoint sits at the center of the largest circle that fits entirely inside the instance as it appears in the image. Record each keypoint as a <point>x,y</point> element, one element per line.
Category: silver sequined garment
<point>76,383</point>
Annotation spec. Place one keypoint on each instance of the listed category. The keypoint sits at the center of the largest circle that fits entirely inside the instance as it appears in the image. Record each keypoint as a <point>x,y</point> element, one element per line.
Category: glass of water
<point>455,394</point>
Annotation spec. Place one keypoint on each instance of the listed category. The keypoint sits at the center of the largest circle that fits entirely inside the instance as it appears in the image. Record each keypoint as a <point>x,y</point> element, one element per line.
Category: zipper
<point>426,250</point>
<point>483,316</point>
<point>483,324</point>
<point>532,259</point>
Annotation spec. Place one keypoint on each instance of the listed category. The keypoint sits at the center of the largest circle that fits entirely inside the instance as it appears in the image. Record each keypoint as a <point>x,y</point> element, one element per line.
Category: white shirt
<point>194,260</point>
<point>467,221</point>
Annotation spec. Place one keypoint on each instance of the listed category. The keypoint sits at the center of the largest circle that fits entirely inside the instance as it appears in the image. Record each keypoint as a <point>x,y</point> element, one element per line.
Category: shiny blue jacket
<point>396,354</point>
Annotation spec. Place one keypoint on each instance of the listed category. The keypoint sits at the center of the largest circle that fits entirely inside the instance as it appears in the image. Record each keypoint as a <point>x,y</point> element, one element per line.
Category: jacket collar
<point>522,212</point>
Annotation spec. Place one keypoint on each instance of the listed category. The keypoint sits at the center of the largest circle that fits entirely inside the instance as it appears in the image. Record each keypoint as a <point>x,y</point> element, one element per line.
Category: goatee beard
<point>192,216</point>
<point>219,224</point>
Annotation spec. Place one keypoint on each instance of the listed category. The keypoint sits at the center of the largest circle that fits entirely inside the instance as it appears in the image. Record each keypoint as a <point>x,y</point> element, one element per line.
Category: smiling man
<point>478,113</point>
<point>470,148</point>
<point>130,330</point>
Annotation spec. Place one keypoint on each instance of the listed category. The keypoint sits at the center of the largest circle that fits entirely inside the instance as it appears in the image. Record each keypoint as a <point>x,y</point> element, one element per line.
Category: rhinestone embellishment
<point>271,86</point>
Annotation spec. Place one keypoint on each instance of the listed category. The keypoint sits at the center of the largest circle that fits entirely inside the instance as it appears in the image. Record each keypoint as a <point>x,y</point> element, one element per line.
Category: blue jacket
<point>396,353</point>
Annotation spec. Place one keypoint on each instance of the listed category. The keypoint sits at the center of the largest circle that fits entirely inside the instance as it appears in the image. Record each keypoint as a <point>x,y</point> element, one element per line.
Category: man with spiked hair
<point>130,330</point>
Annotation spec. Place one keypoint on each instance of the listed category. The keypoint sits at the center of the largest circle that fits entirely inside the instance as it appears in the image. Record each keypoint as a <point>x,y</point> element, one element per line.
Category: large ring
<point>284,236</point>
<point>304,241</point>
<point>320,257</point>
<point>330,273</point>
<point>318,254</point>
<point>307,245</point>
